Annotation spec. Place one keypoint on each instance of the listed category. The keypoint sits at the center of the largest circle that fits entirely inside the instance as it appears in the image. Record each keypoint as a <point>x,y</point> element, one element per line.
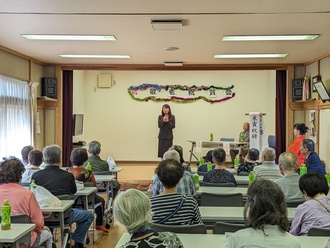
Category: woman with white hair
<point>132,209</point>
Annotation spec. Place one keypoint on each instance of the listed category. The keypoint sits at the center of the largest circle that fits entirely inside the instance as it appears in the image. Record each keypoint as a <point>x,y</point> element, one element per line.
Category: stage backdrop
<point>127,129</point>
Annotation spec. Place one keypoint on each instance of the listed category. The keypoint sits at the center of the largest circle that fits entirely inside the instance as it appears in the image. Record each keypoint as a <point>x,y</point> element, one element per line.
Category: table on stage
<point>15,233</point>
<point>108,181</point>
<point>229,214</point>
<point>60,210</point>
<point>219,240</point>
<point>227,146</point>
<point>221,190</point>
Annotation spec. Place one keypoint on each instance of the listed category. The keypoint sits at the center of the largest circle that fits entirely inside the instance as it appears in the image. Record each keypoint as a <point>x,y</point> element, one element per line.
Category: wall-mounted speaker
<point>49,87</point>
<point>297,88</point>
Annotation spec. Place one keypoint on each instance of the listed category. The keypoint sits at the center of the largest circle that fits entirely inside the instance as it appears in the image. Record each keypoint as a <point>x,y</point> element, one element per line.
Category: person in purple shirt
<point>315,211</point>
<point>312,160</point>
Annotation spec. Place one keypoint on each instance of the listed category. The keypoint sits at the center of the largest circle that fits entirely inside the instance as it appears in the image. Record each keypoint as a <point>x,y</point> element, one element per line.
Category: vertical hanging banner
<point>257,131</point>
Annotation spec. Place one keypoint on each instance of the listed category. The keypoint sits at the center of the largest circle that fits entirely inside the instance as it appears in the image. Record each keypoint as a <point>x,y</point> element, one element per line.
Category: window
<point>15,116</point>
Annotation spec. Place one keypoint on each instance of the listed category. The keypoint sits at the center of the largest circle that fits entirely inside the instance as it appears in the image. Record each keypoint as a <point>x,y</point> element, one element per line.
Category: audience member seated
<point>25,152</point>
<point>132,210</point>
<point>98,164</point>
<point>315,211</point>
<point>179,149</point>
<point>171,207</point>
<point>244,136</point>
<point>312,161</point>
<point>208,158</point>
<point>268,169</point>
<point>23,201</point>
<point>35,160</point>
<point>266,219</point>
<point>78,158</point>
<point>290,181</point>
<point>61,182</point>
<point>251,159</point>
<point>299,131</point>
<point>219,174</point>
<point>186,185</point>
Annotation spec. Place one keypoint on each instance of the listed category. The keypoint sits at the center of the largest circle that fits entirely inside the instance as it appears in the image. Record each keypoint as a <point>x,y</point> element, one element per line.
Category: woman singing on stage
<point>166,123</point>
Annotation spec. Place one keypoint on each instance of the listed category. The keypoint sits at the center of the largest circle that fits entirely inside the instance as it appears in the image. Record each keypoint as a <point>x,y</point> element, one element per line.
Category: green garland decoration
<point>133,89</point>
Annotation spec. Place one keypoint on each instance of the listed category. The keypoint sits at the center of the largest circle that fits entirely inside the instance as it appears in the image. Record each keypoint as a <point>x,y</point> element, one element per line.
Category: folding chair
<point>317,231</point>
<point>221,200</point>
<point>222,227</point>
<point>196,229</point>
<point>216,184</point>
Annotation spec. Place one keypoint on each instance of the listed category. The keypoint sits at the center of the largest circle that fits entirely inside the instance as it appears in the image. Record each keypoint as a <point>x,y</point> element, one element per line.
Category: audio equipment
<point>297,89</point>
<point>49,87</point>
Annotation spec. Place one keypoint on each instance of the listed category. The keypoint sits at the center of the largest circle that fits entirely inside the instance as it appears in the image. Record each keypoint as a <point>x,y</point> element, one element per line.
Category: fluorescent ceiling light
<point>69,37</point>
<point>90,56</point>
<point>249,56</point>
<point>269,37</point>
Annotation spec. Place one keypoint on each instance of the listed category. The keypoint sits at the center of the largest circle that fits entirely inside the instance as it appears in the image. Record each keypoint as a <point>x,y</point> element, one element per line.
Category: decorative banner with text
<point>257,131</point>
<point>180,93</point>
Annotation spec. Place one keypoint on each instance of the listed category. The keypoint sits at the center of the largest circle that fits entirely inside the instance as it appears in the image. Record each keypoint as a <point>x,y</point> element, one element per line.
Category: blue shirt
<point>186,185</point>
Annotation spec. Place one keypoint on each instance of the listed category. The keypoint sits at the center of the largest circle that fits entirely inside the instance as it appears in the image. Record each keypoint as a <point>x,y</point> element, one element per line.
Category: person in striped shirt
<point>171,207</point>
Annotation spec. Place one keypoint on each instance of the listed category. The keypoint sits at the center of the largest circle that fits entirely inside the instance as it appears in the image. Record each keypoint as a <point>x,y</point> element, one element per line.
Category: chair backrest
<point>22,218</point>
<point>197,229</point>
<point>243,174</point>
<point>64,197</point>
<point>316,231</point>
<point>25,184</point>
<point>227,139</point>
<point>221,200</point>
<point>222,227</point>
<point>102,173</point>
<point>294,204</point>
<point>216,184</point>
<point>201,173</point>
<point>272,141</point>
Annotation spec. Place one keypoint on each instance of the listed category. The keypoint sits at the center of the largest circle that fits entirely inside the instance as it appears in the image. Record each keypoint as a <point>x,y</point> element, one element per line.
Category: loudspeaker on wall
<point>297,88</point>
<point>49,87</point>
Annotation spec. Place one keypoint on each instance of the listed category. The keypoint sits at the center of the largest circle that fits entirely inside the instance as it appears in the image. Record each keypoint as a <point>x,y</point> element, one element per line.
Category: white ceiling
<point>205,22</point>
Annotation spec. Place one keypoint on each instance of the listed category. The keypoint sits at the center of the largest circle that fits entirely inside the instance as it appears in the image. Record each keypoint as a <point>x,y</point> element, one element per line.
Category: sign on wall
<point>180,93</point>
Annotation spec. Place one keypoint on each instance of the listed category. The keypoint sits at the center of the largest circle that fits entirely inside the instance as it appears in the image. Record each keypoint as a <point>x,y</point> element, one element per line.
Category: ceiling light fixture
<point>173,63</point>
<point>269,37</point>
<point>90,56</point>
<point>69,37</point>
<point>250,56</point>
<point>171,24</point>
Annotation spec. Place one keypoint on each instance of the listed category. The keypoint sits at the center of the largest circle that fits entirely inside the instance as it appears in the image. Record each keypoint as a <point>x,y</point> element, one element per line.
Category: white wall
<point>127,129</point>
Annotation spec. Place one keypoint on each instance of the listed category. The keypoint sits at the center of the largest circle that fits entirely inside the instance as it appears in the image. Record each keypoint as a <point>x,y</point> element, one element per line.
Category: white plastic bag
<point>45,198</point>
<point>111,163</point>
<point>79,185</point>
